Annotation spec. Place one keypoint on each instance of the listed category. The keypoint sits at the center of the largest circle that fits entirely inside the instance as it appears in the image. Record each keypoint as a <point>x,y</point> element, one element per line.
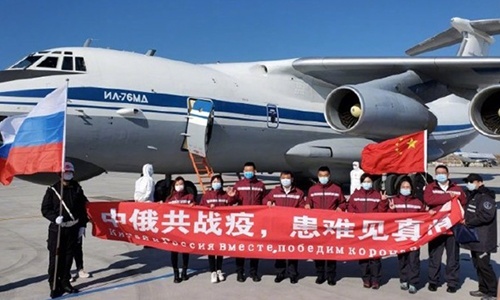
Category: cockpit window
<point>49,62</point>
<point>28,61</point>
<point>80,64</point>
<point>67,63</point>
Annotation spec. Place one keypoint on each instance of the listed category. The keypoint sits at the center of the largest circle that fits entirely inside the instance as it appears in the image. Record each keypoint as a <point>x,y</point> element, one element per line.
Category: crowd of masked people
<point>478,203</point>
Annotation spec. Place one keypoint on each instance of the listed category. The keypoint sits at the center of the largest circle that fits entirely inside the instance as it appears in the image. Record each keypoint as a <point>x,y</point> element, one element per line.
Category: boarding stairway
<point>197,136</point>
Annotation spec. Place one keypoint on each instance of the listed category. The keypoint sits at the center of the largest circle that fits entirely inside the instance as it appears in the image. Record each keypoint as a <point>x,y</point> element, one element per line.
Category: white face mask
<point>285,182</point>
<point>471,186</point>
<point>179,188</point>
<point>68,176</point>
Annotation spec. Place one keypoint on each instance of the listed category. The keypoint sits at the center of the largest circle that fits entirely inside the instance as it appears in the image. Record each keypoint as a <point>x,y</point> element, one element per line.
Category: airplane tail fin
<point>475,37</point>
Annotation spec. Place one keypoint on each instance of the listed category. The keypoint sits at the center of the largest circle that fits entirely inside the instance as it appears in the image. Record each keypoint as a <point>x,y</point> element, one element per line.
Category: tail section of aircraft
<point>475,37</point>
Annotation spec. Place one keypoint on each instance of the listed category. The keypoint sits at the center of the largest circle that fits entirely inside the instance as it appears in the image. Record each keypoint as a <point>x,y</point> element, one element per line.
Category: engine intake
<point>484,112</point>
<point>366,111</point>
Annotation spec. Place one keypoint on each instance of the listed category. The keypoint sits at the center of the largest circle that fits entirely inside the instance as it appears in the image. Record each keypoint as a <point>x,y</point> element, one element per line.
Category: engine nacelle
<point>362,110</point>
<point>484,112</point>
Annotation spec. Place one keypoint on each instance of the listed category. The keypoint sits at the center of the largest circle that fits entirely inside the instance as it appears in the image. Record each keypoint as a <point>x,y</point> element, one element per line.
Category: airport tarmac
<point>126,271</point>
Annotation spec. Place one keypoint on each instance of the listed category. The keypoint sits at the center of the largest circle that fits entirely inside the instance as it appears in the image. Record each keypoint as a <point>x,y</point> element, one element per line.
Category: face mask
<point>441,178</point>
<point>67,176</point>
<point>286,182</point>
<point>405,192</point>
<point>179,188</point>
<point>216,185</point>
<point>366,185</point>
<point>248,175</point>
<point>471,186</point>
<point>324,180</point>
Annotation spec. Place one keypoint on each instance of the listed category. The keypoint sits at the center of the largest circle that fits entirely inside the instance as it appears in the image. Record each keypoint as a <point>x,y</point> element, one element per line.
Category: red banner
<point>268,232</point>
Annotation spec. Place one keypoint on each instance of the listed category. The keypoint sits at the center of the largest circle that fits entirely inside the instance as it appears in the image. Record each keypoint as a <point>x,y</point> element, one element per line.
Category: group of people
<point>479,206</point>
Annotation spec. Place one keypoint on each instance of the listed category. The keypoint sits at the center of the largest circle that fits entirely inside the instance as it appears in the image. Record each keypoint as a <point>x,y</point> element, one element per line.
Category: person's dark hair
<point>218,176</point>
<point>364,176</point>
<point>324,169</point>
<point>407,179</point>
<point>172,187</point>
<point>287,173</point>
<point>442,167</point>
<point>249,164</point>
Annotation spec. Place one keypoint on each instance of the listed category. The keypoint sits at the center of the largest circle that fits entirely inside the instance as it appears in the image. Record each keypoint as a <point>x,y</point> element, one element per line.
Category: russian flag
<point>35,142</point>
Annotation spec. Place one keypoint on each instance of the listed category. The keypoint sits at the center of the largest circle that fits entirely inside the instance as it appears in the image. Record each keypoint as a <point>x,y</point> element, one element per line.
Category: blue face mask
<point>286,182</point>
<point>366,185</point>
<point>441,178</point>
<point>471,186</point>
<point>248,175</point>
<point>216,185</point>
<point>324,179</point>
<point>405,192</point>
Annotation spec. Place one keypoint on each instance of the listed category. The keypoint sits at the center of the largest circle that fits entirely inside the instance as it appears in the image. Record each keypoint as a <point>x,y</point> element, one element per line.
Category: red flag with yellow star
<point>404,154</point>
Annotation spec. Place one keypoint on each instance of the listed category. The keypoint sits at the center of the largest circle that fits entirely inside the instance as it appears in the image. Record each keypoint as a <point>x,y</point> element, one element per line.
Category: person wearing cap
<point>437,194</point>
<point>70,222</point>
<point>480,213</point>
<point>356,173</point>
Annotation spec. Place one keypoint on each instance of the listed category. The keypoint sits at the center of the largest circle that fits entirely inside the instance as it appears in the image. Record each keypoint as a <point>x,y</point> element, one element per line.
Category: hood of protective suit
<point>147,170</point>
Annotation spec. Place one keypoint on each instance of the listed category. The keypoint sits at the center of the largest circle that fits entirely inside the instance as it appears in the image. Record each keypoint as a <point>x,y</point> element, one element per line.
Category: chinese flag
<point>404,154</point>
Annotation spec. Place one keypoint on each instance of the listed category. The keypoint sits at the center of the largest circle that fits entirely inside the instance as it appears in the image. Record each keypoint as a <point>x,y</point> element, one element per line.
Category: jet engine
<point>484,112</point>
<point>374,113</point>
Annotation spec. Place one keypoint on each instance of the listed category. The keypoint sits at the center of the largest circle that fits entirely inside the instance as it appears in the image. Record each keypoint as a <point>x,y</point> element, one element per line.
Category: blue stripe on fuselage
<point>177,101</point>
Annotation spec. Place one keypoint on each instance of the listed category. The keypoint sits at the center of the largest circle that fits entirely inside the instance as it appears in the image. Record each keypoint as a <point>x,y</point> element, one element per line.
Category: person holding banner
<point>368,200</point>
<point>325,195</point>
<point>214,198</point>
<point>481,214</point>
<point>409,262</point>
<point>286,194</point>
<point>179,195</point>
<point>71,224</point>
<point>436,194</point>
<point>249,191</point>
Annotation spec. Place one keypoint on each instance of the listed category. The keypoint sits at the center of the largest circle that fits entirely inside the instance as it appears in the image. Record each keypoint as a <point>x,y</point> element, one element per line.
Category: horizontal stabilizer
<point>483,29</point>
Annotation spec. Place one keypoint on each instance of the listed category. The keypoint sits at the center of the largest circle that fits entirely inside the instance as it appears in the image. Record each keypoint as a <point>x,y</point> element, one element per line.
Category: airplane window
<point>28,61</point>
<point>68,52</point>
<point>56,52</point>
<point>67,63</point>
<point>49,62</point>
<point>80,64</point>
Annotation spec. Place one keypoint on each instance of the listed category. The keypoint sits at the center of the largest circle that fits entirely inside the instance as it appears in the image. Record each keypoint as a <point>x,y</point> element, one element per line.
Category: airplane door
<point>273,117</point>
<point>199,126</point>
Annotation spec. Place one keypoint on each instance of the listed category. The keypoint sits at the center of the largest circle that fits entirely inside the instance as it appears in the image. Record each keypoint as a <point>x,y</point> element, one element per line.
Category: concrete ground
<point>125,271</point>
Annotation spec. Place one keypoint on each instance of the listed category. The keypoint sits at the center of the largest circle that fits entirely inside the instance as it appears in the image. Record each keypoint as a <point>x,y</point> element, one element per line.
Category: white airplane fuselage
<point>159,88</point>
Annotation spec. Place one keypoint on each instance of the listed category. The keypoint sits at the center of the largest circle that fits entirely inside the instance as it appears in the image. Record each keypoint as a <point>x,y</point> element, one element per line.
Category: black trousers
<point>174,258</point>
<point>436,249</point>
<point>331,267</point>
<point>371,270</point>
<point>409,267</point>
<point>79,254</point>
<point>68,241</point>
<point>281,267</point>
<point>215,262</point>
<point>240,265</point>
<point>485,274</point>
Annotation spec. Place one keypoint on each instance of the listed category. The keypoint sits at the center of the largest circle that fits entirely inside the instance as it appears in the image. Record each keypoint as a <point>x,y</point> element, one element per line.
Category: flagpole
<point>425,152</point>
<point>63,156</point>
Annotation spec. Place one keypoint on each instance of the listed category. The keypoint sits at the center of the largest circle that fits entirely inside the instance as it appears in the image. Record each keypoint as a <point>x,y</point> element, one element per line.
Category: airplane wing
<point>460,73</point>
<point>443,39</point>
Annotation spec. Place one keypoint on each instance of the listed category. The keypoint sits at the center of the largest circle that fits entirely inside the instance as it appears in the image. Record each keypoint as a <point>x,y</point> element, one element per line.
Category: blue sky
<point>201,31</point>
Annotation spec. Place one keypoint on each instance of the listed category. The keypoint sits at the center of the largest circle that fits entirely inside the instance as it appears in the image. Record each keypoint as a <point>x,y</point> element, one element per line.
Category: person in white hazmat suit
<point>356,173</point>
<point>145,186</point>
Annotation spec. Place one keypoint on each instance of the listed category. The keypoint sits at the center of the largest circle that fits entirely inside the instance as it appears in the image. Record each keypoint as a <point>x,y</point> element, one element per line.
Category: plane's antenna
<point>151,52</point>
<point>87,42</point>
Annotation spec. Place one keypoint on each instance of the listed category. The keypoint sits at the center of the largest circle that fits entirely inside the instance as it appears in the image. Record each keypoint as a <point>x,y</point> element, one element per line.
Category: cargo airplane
<point>126,109</point>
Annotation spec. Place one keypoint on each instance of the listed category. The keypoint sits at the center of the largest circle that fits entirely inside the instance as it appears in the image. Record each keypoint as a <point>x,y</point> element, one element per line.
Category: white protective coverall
<point>145,186</point>
<point>356,173</point>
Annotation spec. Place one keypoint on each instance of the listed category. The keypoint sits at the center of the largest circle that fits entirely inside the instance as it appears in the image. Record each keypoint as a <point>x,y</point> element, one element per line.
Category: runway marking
<point>19,218</point>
